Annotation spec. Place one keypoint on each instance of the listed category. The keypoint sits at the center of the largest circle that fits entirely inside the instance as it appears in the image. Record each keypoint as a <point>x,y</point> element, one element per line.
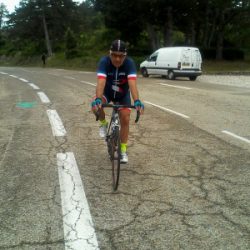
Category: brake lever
<point>97,115</point>
<point>137,116</point>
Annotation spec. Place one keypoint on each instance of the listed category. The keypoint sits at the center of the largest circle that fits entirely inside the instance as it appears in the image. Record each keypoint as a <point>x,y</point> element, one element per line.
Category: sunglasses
<point>115,55</point>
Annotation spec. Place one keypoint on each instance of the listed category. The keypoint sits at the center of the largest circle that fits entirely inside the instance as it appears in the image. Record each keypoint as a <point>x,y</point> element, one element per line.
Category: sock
<point>103,122</point>
<point>123,147</point>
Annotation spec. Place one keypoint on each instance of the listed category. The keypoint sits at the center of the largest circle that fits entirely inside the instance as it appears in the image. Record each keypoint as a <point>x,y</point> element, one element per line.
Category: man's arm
<point>133,89</point>
<point>101,82</point>
<point>135,94</point>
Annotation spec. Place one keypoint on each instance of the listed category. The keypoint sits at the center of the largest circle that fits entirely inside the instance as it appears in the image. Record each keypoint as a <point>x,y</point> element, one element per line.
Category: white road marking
<point>3,73</point>
<point>90,83</point>
<point>235,136</point>
<point>13,76</point>
<point>169,110</point>
<point>43,97</point>
<point>23,80</point>
<point>173,86</point>
<point>56,123</point>
<point>34,86</point>
<point>79,232</point>
<point>69,77</point>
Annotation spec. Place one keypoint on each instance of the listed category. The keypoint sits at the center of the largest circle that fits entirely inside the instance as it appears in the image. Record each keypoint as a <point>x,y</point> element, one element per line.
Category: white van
<point>173,62</point>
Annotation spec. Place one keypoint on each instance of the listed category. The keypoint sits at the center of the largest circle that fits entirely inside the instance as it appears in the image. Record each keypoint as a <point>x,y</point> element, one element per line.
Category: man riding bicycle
<point>116,78</point>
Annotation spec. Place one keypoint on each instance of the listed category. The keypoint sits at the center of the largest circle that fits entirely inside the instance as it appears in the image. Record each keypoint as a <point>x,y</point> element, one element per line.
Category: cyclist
<point>116,79</point>
<point>43,59</point>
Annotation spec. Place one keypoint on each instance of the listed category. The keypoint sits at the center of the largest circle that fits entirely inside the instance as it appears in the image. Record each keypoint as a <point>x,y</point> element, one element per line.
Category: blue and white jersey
<point>116,78</point>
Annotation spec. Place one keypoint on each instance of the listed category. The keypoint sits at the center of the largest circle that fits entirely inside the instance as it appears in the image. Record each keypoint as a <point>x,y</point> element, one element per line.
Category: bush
<point>233,54</point>
<point>138,60</point>
<point>229,54</point>
<point>208,54</point>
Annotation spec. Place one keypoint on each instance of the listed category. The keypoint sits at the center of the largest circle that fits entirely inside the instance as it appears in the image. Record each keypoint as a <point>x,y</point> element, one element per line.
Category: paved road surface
<point>186,185</point>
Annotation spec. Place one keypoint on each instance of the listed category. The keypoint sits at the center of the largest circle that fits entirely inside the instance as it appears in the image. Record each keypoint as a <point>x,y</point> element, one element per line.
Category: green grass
<point>225,66</point>
<point>86,63</point>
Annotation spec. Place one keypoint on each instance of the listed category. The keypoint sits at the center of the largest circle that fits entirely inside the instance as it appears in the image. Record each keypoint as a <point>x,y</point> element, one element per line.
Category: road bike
<point>113,139</point>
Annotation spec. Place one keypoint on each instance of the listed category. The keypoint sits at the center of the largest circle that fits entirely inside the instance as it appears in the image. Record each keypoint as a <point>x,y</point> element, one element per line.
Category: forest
<point>220,28</point>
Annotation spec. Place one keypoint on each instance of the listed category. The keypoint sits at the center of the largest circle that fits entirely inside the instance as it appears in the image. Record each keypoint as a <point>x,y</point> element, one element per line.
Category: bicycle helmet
<point>118,46</point>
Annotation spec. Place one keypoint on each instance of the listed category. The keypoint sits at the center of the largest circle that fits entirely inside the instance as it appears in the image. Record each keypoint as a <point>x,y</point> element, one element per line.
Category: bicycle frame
<point>115,120</point>
<point>114,125</point>
<point>114,141</point>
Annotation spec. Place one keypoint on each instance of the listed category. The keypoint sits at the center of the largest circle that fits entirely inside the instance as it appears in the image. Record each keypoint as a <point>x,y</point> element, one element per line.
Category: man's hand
<point>139,106</point>
<point>96,104</point>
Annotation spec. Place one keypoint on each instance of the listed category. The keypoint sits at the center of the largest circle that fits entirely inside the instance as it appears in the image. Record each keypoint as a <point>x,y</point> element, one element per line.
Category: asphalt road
<point>186,185</point>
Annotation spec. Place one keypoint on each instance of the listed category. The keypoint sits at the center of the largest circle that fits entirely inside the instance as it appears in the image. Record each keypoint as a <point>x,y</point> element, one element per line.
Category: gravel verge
<point>227,79</point>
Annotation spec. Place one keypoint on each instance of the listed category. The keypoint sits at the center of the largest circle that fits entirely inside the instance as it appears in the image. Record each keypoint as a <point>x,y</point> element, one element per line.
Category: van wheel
<point>171,75</point>
<point>192,78</point>
<point>144,72</point>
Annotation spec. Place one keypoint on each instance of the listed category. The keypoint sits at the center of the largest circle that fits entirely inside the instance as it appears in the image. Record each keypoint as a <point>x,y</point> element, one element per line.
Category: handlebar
<point>117,106</point>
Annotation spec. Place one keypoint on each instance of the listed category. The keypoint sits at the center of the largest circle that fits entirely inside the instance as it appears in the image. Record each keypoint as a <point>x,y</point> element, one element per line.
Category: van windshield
<point>153,57</point>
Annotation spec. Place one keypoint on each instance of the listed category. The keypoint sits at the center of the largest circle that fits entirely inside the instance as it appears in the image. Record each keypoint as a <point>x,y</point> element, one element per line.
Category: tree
<point>39,24</point>
<point>122,15</point>
<point>70,44</point>
<point>42,22</point>
<point>3,14</point>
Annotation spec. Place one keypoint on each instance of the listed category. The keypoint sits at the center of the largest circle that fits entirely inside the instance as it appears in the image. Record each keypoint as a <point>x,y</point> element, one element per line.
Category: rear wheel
<point>144,72</point>
<point>192,78</point>
<point>171,75</point>
<point>115,143</point>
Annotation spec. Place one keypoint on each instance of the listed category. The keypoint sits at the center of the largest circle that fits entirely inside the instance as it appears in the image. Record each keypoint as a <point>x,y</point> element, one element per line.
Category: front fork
<point>114,128</point>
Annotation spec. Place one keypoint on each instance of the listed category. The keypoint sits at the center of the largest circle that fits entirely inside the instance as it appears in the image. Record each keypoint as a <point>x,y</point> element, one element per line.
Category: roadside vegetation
<point>90,64</point>
<point>234,67</point>
<point>76,35</point>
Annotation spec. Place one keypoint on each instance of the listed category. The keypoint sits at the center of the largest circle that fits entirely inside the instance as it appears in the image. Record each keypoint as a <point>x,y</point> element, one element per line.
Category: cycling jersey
<point>116,88</point>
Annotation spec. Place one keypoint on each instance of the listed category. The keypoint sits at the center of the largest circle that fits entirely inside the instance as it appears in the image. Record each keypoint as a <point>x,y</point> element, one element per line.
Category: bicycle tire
<point>115,157</point>
<point>108,141</point>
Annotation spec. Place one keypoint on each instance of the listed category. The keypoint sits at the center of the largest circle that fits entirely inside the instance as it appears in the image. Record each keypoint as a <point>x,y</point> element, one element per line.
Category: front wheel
<point>115,143</point>
<point>171,75</point>
<point>144,72</point>
<point>192,78</point>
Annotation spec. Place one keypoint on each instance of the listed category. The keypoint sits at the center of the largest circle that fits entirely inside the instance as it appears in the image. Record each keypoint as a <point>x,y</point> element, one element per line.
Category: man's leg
<point>124,119</point>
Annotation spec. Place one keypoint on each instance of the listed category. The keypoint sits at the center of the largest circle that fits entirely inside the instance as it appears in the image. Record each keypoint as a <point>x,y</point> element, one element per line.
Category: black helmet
<point>119,46</point>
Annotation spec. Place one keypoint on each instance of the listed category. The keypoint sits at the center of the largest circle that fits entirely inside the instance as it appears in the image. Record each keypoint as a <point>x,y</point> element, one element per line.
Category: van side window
<point>153,57</point>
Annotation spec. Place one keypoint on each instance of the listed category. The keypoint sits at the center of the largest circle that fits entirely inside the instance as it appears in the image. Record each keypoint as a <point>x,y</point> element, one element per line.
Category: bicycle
<point>113,139</point>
